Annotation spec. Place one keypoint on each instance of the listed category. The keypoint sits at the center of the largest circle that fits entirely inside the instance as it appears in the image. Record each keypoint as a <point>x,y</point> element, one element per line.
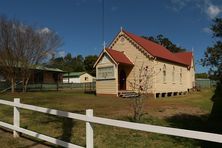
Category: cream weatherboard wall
<point>109,85</point>
<point>135,54</point>
<point>176,82</point>
<point>86,78</point>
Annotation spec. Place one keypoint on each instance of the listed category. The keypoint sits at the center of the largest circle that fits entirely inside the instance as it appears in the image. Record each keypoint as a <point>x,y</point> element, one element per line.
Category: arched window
<point>181,75</point>
<point>164,73</point>
<point>173,74</point>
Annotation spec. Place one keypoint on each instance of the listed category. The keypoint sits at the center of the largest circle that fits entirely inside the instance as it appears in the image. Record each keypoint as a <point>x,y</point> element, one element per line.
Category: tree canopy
<point>77,63</point>
<point>213,54</point>
<point>164,41</point>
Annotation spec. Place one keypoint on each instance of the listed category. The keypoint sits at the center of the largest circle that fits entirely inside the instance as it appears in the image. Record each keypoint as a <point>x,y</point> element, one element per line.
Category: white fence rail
<point>89,119</point>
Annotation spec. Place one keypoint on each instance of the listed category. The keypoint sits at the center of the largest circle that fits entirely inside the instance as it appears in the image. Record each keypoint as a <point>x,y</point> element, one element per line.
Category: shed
<point>77,77</point>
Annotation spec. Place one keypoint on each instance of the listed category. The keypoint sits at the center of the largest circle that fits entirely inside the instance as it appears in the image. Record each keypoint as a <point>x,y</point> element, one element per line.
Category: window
<point>164,73</point>
<point>105,72</point>
<point>86,78</point>
<point>181,75</point>
<point>173,74</point>
<point>122,39</point>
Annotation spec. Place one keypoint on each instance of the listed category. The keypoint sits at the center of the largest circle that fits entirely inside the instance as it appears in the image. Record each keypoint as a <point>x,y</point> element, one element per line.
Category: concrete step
<point>128,94</point>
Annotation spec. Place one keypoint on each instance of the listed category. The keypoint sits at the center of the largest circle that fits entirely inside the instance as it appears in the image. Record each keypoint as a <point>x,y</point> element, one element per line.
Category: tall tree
<point>164,41</point>
<point>78,63</point>
<point>213,54</point>
<point>8,60</point>
<point>22,47</point>
<point>89,61</point>
<point>56,63</point>
<point>213,59</point>
<point>68,62</point>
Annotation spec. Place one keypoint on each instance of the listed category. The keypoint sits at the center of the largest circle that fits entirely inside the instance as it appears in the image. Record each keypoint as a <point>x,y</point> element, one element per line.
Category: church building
<point>119,65</point>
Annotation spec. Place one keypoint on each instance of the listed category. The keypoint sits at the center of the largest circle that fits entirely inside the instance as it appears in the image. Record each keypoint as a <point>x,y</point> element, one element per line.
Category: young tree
<point>213,54</point>
<point>141,84</point>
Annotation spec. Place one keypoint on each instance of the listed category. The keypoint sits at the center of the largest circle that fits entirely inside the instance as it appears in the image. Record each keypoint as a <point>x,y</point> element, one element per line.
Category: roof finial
<point>104,45</point>
<point>121,28</point>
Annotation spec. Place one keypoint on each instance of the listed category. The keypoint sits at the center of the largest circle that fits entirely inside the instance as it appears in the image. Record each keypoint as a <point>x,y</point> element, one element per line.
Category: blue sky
<point>79,22</point>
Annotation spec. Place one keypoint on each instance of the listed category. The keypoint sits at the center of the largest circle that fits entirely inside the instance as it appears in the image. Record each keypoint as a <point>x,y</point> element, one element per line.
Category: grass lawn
<point>189,112</point>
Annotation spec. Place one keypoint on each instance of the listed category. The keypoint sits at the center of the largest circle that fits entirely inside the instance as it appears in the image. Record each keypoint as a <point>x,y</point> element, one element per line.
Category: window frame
<point>164,74</point>
<point>106,78</point>
<point>181,75</point>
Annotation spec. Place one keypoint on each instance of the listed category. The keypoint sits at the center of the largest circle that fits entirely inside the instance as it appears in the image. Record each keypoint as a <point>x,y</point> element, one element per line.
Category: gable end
<point>132,42</point>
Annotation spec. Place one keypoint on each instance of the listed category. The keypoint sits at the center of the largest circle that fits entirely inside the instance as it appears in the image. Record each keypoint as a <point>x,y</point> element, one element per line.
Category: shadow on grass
<point>189,121</point>
<point>67,125</point>
<point>208,123</point>
<point>215,118</point>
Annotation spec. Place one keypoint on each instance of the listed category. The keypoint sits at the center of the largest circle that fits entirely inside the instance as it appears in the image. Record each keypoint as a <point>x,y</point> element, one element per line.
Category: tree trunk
<point>12,85</point>
<point>26,84</point>
<point>23,85</point>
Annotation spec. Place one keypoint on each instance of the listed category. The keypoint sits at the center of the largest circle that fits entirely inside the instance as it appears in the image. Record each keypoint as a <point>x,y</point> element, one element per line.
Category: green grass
<point>189,112</point>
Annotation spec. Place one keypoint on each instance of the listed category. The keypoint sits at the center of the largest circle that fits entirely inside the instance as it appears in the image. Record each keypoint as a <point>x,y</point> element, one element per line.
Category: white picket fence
<point>90,119</point>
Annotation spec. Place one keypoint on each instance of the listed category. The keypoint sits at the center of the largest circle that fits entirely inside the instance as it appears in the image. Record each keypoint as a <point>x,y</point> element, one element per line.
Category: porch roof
<point>119,57</point>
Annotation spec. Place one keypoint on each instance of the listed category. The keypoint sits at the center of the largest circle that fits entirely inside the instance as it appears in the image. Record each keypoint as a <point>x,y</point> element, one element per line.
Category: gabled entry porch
<point>113,71</point>
<point>123,76</point>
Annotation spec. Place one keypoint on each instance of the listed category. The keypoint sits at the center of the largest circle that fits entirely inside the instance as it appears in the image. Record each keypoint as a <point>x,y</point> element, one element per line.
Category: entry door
<point>122,80</point>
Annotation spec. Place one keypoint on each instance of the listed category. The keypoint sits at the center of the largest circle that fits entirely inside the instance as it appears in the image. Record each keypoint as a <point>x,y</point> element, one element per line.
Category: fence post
<point>16,118</point>
<point>89,129</point>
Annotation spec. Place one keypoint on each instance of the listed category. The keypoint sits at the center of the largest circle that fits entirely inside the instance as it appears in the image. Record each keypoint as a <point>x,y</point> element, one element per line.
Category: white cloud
<point>213,11</point>
<point>178,5</point>
<point>206,7</point>
<point>45,30</point>
<point>60,54</point>
<point>207,30</point>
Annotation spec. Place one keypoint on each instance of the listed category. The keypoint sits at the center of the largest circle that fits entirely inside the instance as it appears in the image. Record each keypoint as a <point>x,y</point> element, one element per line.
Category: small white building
<point>77,77</point>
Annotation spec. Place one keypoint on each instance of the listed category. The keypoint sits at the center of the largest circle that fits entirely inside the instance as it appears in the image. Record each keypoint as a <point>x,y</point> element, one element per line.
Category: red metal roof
<point>157,50</point>
<point>186,57</point>
<point>119,57</point>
